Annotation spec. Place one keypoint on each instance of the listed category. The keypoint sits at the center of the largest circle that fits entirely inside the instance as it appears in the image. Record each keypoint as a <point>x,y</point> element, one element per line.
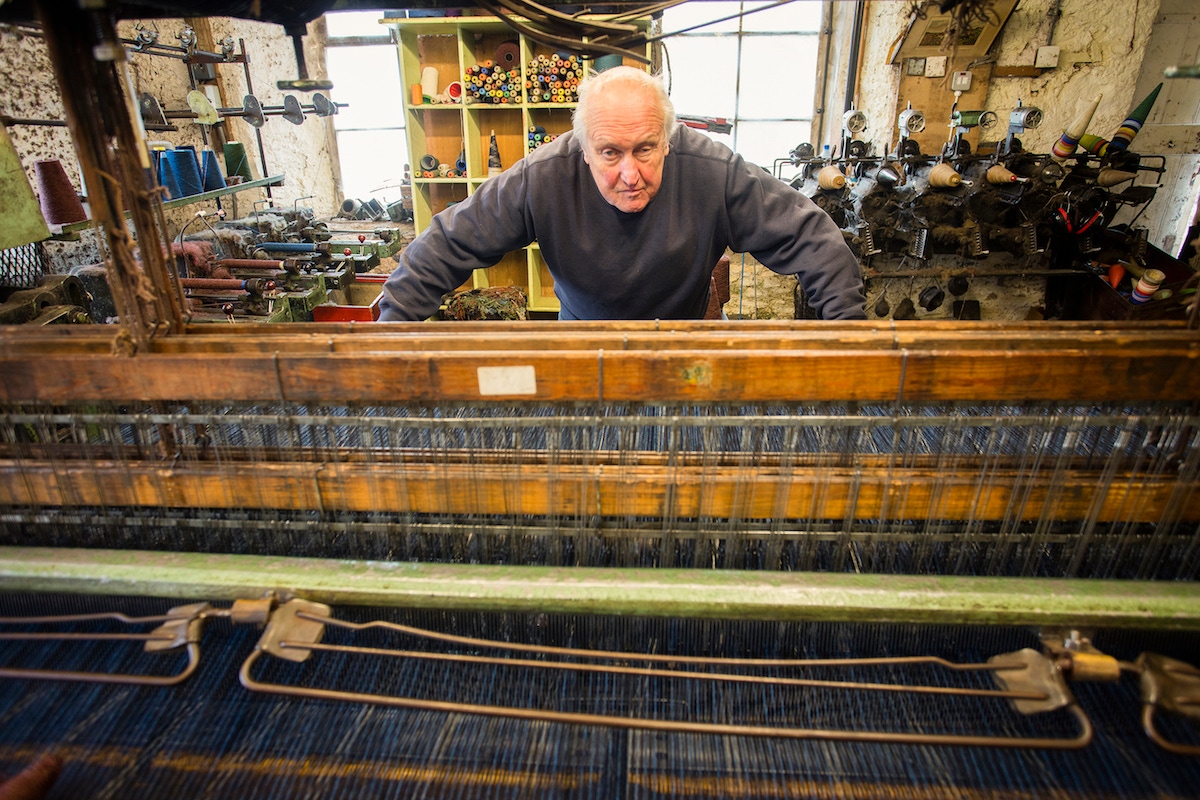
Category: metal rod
<point>631,723</point>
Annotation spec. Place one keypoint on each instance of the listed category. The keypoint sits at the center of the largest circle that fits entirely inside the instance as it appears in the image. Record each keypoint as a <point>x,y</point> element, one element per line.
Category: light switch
<point>935,66</point>
<point>960,82</point>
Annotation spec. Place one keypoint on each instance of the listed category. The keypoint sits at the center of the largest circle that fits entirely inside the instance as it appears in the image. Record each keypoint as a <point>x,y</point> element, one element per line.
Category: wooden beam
<point>568,490</point>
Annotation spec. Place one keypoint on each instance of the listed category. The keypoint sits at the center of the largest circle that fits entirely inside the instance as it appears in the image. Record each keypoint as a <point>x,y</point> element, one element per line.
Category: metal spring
<point>917,248</point>
<point>868,238</point>
<point>977,247</point>
<point>1031,238</point>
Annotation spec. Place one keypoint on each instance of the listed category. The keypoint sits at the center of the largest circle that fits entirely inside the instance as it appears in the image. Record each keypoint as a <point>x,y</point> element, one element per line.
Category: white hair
<point>621,77</point>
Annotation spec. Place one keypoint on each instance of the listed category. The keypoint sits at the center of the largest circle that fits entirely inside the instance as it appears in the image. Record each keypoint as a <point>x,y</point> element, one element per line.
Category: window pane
<point>688,15</point>
<point>363,77</point>
<point>372,164</point>
<point>778,77</point>
<point>356,23</point>
<point>703,80</point>
<point>763,142</point>
<point>802,15</point>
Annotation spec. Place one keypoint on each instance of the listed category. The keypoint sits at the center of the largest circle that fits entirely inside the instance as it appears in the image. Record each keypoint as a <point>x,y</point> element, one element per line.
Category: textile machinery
<point>717,499</point>
<point>869,559</point>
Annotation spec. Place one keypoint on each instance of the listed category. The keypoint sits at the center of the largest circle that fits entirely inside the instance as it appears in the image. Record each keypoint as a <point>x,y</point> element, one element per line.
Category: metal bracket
<point>287,633</point>
<point>1173,686</point>
<point>1039,675</point>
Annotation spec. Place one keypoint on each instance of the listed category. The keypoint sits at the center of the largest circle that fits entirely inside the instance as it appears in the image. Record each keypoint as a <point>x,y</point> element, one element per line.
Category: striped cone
<point>1064,148</point>
<point>1133,123</point>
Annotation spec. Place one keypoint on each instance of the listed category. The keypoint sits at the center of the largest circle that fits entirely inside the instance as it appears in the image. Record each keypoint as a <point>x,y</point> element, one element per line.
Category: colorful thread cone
<point>1133,123</point>
<point>1096,145</point>
<point>494,165</point>
<point>58,199</point>
<point>1064,148</point>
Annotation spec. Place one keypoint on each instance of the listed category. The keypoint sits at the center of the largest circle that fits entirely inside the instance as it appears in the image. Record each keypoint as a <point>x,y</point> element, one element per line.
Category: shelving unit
<point>73,229</point>
<point>451,45</point>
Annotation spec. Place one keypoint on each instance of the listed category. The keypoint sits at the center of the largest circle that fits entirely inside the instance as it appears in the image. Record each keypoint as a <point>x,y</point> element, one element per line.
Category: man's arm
<point>475,234</point>
<point>792,236</point>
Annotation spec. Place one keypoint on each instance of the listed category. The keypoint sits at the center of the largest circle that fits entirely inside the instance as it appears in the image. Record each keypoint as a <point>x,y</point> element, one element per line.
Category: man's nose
<point>629,169</point>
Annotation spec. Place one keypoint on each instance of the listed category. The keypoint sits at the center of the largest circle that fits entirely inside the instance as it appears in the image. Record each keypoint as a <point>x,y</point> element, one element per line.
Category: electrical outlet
<point>935,66</point>
<point>960,82</point>
<point>1047,57</point>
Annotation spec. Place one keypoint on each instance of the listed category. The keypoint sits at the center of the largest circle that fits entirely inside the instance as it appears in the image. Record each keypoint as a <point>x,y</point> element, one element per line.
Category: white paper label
<point>507,380</point>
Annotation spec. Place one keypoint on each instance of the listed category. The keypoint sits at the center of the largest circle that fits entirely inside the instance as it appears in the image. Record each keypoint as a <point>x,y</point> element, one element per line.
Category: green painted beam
<point>724,594</point>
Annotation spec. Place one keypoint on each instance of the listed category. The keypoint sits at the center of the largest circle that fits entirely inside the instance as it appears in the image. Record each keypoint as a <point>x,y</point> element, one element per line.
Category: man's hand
<point>33,782</point>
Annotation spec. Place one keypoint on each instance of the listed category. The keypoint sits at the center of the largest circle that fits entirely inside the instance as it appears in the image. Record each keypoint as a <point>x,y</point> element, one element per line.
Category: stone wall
<point>305,155</point>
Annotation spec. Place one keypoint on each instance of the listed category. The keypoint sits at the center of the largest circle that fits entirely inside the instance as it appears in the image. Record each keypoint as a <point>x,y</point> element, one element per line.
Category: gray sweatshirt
<point>653,264</point>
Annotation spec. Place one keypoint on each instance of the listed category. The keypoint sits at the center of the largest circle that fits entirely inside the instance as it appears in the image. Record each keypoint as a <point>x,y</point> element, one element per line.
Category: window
<point>371,140</point>
<point>758,70</point>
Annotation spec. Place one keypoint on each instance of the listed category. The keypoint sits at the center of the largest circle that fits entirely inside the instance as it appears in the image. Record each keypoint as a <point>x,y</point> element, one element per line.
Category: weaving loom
<point>633,560</point>
<point>773,491</point>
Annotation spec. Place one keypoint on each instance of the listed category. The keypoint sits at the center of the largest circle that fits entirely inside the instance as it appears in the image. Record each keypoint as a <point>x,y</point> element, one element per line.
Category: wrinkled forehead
<point>625,111</point>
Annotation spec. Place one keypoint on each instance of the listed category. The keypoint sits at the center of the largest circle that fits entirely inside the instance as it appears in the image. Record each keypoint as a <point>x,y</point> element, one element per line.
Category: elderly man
<point>631,212</point>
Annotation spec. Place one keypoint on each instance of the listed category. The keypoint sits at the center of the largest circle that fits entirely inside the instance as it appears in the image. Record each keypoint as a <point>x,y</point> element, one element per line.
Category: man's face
<point>626,147</point>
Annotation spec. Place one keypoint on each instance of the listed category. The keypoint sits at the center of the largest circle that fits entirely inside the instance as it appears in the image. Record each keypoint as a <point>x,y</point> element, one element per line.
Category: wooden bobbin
<point>1001,175</point>
<point>944,176</point>
<point>830,177</point>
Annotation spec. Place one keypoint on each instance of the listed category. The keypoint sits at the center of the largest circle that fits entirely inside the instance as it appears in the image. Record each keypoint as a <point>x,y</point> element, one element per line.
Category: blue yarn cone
<point>213,179</point>
<point>166,177</point>
<point>183,163</point>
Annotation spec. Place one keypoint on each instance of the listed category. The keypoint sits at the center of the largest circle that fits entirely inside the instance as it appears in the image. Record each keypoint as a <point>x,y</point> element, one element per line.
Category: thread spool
<point>454,91</point>
<point>186,171</point>
<point>508,55</point>
<point>166,177</point>
<point>429,163</point>
<point>212,177</point>
<point>236,162</point>
<point>429,81</point>
<point>57,198</point>
<point>350,208</point>
<point>1001,175</point>
<point>1147,285</point>
<point>1111,177</point>
<point>443,170</point>
<point>830,177</point>
<point>191,148</point>
<point>944,176</point>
